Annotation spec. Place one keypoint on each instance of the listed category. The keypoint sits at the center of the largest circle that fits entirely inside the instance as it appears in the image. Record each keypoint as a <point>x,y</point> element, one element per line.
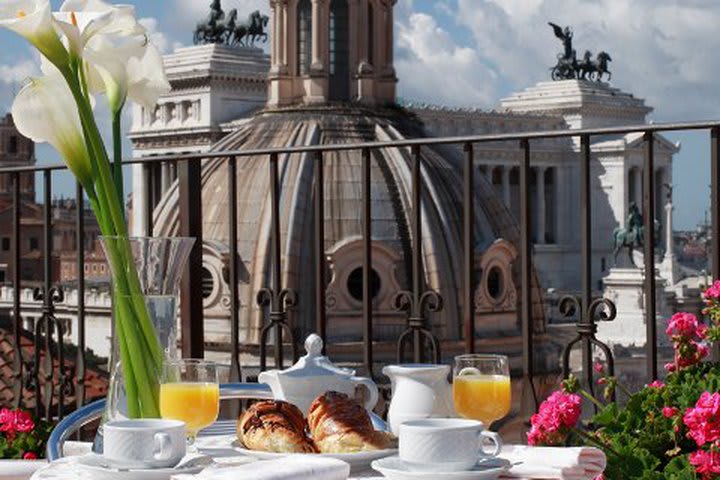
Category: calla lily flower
<point>117,57</point>
<point>44,111</point>
<point>33,20</point>
<point>81,20</point>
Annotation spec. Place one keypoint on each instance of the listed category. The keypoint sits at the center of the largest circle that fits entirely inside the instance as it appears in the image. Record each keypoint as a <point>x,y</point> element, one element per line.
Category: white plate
<point>395,469</point>
<point>95,466</point>
<point>357,461</point>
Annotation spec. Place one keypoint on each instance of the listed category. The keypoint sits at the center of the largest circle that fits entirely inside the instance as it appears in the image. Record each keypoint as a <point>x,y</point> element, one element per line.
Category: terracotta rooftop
<point>96,380</point>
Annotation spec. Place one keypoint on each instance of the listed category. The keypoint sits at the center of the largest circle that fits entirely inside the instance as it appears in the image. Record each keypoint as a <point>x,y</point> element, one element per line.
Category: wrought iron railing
<point>416,302</point>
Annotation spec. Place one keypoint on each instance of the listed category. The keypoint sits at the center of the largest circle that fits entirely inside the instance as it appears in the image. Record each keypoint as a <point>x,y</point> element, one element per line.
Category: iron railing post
<point>320,285</point>
<point>18,366</point>
<point>367,264</point>
<point>235,369</point>
<point>649,255</point>
<point>715,212</point>
<point>469,249</point>
<point>191,303</point>
<point>80,265</point>
<point>526,318</point>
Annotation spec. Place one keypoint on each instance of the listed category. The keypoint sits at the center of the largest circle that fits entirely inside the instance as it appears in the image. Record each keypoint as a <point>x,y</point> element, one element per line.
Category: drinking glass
<point>190,392</point>
<point>481,387</point>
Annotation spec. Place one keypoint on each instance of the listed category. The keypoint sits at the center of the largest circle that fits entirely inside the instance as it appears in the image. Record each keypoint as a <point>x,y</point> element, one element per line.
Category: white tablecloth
<point>63,469</point>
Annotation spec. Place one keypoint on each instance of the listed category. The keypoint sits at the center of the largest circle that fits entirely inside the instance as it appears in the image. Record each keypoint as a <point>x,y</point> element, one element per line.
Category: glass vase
<point>145,276</point>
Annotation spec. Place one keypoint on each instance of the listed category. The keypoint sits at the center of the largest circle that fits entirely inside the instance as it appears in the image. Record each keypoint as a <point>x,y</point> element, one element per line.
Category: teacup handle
<point>494,438</point>
<point>163,447</point>
<point>372,389</point>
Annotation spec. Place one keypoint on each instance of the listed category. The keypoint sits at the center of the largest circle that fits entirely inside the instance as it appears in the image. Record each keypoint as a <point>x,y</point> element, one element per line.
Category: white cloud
<point>431,66</point>
<point>18,72</point>
<point>662,50</point>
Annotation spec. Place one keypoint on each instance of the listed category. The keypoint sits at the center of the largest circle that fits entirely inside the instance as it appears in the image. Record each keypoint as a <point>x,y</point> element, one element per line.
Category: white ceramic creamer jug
<point>418,391</point>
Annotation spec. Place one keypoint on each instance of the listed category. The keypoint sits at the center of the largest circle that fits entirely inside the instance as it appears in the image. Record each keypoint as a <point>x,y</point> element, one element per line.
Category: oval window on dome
<point>355,284</point>
<point>495,282</point>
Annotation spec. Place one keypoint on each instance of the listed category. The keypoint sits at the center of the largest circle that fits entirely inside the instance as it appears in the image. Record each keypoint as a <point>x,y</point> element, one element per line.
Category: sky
<point>472,53</point>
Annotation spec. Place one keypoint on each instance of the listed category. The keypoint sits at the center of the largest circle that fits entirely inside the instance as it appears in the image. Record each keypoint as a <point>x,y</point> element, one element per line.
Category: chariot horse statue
<point>220,28</point>
<point>248,33</point>
<point>569,68</point>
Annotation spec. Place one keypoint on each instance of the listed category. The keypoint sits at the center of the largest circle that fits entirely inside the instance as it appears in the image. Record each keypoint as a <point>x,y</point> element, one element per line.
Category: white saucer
<point>486,469</point>
<point>97,469</point>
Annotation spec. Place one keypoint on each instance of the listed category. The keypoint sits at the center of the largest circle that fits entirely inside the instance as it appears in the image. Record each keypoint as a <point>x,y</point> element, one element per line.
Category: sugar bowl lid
<point>314,363</point>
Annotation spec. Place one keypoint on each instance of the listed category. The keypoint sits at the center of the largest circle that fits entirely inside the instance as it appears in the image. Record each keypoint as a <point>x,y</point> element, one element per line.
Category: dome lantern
<point>332,51</point>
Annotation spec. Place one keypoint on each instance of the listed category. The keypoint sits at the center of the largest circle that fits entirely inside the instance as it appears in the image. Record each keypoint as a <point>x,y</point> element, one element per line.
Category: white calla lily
<point>33,20</point>
<point>81,20</point>
<point>146,78</point>
<point>117,57</point>
<point>44,111</point>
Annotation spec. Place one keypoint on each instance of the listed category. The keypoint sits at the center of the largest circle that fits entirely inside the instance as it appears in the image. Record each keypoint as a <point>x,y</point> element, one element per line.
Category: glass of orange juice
<point>190,392</point>
<point>481,387</point>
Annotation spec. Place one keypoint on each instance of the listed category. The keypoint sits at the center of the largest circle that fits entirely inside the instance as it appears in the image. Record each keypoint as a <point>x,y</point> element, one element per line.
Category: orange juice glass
<point>190,392</point>
<point>481,387</point>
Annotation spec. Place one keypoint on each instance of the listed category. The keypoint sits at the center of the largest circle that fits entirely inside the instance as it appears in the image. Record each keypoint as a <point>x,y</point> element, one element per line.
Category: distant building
<point>18,151</point>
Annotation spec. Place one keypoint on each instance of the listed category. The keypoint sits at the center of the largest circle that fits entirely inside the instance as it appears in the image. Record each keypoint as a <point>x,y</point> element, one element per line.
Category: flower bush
<point>21,436</point>
<point>669,430</point>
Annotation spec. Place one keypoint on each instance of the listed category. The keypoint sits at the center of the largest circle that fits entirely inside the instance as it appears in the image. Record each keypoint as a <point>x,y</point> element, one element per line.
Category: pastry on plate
<point>274,426</point>
<point>340,424</point>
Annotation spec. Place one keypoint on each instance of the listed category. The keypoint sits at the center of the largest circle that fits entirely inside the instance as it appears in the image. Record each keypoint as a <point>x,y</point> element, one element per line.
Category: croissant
<point>274,426</point>
<point>340,424</point>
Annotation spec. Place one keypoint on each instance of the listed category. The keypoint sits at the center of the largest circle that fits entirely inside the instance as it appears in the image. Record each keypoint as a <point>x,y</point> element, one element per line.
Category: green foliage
<point>641,444</point>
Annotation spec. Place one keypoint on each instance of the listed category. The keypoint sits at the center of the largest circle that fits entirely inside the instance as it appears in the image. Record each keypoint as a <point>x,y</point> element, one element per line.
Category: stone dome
<point>496,232</point>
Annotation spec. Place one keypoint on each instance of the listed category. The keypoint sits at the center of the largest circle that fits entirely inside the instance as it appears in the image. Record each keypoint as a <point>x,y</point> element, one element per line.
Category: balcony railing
<point>55,381</point>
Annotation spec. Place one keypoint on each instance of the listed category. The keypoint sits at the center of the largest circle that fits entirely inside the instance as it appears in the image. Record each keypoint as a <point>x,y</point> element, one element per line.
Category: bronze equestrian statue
<point>632,236</point>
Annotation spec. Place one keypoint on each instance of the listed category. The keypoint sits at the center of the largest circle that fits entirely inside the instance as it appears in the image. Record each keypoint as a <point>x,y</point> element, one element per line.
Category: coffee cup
<point>446,444</point>
<point>144,444</point>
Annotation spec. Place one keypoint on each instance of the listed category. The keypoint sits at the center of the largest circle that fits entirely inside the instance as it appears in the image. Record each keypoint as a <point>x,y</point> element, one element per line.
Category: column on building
<point>274,38</point>
<point>541,207</point>
<point>388,68</point>
<point>506,186</point>
<point>638,187</point>
<point>318,34</point>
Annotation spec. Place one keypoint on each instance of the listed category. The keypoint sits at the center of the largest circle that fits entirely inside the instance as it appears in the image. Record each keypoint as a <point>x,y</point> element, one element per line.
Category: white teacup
<point>445,444</point>
<point>147,443</point>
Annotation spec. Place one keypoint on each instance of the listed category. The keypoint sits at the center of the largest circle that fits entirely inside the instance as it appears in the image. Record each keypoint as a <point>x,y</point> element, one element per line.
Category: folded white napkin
<point>300,467</point>
<point>563,463</point>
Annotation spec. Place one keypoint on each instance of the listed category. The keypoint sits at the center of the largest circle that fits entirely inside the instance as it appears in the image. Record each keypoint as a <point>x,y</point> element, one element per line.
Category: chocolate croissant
<point>274,426</point>
<point>340,424</point>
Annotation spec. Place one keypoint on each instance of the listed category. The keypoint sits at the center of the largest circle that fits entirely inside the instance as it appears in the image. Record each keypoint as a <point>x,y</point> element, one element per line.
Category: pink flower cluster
<point>712,294</point>
<point>13,422</point>
<point>703,423</point>
<point>557,415</point>
<point>707,464</point>
<point>687,335</point>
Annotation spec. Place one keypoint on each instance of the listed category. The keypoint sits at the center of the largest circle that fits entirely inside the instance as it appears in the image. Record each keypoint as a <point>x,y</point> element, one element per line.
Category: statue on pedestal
<point>632,236</point>
<point>569,68</point>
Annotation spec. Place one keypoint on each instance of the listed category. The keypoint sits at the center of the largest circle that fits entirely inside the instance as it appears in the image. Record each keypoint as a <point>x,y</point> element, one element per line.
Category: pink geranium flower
<point>557,415</point>
<point>707,464</point>
<point>713,292</point>
<point>669,412</point>
<point>682,325</point>
<point>703,421</point>
<point>657,384</point>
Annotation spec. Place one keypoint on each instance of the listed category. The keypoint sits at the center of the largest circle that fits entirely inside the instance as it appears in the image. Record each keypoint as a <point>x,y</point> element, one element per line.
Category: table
<point>62,469</point>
